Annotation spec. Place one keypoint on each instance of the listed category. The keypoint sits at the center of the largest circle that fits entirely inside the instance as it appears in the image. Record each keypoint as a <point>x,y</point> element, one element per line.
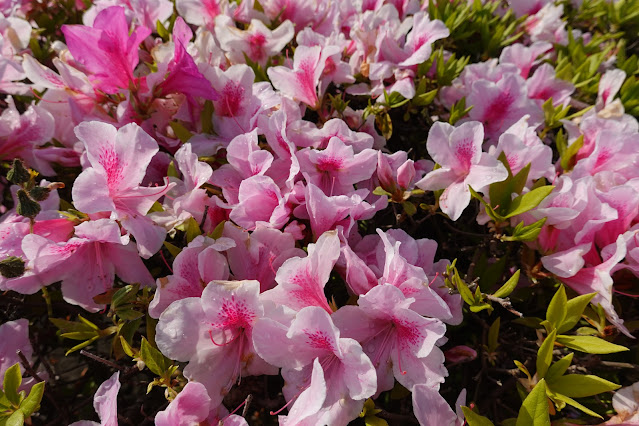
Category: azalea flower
<point>458,151</point>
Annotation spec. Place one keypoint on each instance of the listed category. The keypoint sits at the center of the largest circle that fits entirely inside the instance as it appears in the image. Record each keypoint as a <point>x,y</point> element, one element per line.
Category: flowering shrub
<point>319,212</point>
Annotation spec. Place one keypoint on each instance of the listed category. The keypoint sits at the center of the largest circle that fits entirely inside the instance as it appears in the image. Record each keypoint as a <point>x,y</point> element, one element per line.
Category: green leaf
<point>474,419</point>
<point>425,99</point>
<point>153,358</point>
<point>16,419</point>
<point>534,410</point>
<point>589,344</point>
<point>385,124</point>
<point>465,292</point>
<point>558,369</point>
<point>489,210</point>
<point>81,345</point>
<point>523,369</point>
<point>478,307</point>
<point>574,309</point>
<point>493,335</point>
<point>568,157</point>
<point>192,229</point>
<point>126,294</point>
<point>579,386</point>
<point>528,201</point>
<point>525,233</point>
<point>181,132</point>
<point>32,402</point>
<point>126,347</point>
<point>206,117</point>
<point>162,31</point>
<point>501,192</point>
<point>509,286</point>
<point>11,383</point>
<point>556,312</point>
<point>381,191</point>
<point>409,208</point>
<point>174,250</point>
<point>544,354</point>
<point>572,402</point>
<point>374,421</point>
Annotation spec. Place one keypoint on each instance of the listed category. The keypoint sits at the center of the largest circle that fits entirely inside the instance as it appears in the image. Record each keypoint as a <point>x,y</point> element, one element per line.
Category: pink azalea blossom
<point>431,409</point>
<point>609,85</point>
<point>301,281</point>
<point>198,264</point>
<point>105,403</point>
<point>214,335</point>
<point>399,341</point>
<point>106,50</point>
<point>193,406</point>
<point>312,345</point>
<point>259,254</point>
<point>336,169</point>
<point>257,42</point>
<point>458,152</point>
<point>86,264</point>
<point>300,83</point>
<point>118,159</point>
<point>14,337</point>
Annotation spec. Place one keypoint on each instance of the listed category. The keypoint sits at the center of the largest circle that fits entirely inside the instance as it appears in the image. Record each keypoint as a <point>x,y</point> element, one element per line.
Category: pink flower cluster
<point>186,132</point>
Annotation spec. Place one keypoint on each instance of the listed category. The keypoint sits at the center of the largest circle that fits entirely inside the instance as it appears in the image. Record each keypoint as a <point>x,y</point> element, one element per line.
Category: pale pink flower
<point>105,403</point>
<point>399,341</point>
<point>312,345</point>
<point>214,335</point>
<point>118,159</point>
<point>458,151</point>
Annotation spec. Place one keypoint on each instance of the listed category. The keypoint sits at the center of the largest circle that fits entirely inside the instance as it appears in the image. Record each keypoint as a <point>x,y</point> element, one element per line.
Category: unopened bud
<point>26,206</point>
<point>18,174</point>
<point>12,267</point>
<point>39,193</point>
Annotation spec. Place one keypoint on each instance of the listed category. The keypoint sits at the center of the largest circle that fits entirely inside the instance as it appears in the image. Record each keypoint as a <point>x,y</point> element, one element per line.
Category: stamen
<point>165,262</point>
<point>246,402</point>
<point>399,358</point>
<point>274,413</point>
<point>223,344</point>
<point>434,278</point>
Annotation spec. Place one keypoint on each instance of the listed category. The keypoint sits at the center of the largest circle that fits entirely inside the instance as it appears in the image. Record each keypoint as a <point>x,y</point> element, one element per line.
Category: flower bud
<point>39,193</point>
<point>18,174</point>
<point>26,206</point>
<point>12,267</point>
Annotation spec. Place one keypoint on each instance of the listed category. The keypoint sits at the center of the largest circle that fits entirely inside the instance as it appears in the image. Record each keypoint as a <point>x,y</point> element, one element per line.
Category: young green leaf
<point>523,369</point>
<point>32,402</point>
<point>528,201</point>
<point>558,369</point>
<point>589,344</point>
<point>474,419</point>
<point>574,309</point>
<point>153,358</point>
<point>509,286</point>
<point>567,400</point>
<point>556,312</point>
<point>579,386</point>
<point>15,419</point>
<point>534,410</point>
<point>525,233</point>
<point>11,383</point>
<point>544,354</point>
